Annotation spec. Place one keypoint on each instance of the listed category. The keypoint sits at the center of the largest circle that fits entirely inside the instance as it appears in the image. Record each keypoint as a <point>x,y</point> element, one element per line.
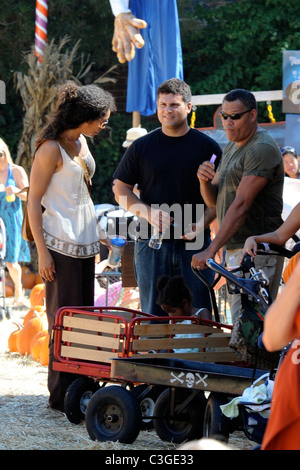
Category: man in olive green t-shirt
<point>247,188</point>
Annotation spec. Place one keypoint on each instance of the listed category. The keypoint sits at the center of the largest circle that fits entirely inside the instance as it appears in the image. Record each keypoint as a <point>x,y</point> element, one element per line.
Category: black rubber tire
<point>77,396</point>
<point>216,424</point>
<point>147,396</point>
<point>189,423</point>
<point>113,414</point>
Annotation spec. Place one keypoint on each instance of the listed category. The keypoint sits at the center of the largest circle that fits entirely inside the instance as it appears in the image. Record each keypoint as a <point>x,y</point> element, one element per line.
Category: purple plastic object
<point>213,158</point>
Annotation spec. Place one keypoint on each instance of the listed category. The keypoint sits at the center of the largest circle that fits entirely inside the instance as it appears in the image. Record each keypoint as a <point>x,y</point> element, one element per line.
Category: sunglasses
<point>234,117</point>
<point>288,150</point>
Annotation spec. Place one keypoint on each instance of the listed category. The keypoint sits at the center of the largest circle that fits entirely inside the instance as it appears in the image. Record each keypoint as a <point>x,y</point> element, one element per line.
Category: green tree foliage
<point>238,44</point>
<point>226,44</point>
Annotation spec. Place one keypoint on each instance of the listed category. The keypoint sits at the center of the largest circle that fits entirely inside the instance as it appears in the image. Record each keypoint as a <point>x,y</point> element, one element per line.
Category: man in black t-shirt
<point>164,164</point>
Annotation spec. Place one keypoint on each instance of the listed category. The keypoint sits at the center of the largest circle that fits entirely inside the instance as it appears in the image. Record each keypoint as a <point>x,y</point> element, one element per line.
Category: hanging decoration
<point>41,19</point>
<point>269,107</point>
<point>193,117</point>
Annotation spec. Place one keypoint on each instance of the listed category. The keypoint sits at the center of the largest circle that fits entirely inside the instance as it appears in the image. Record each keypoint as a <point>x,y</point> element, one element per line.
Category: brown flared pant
<point>73,286</point>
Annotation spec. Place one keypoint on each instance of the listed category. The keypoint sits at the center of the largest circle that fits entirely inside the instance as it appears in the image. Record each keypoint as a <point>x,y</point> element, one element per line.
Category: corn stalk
<point>38,90</point>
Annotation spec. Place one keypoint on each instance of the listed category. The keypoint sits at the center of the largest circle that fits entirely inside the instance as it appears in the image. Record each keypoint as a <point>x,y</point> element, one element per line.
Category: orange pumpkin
<point>27,333</point>
<point>9,290</point>
<point>37,311</point>
<point>28,278</point>
<point>9,285</point>
<point>44,353</point>
<point>37,295</point>
<point>12,339</point>
<point>36,344</point>
<point>38,279</point>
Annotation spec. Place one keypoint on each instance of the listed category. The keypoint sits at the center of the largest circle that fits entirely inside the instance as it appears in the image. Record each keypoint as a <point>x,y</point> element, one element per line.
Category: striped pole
<point>41,14</point>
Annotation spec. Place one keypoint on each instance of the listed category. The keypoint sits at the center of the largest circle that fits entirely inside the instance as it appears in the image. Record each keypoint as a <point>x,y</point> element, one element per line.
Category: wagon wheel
<point>113,414</point>
<point>216,424</point>
<point>178,415</point>
<point>77,397</point>
<point>147,396</point>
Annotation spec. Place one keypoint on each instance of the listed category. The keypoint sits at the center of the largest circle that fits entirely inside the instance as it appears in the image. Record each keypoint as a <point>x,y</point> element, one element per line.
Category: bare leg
<point>15,272</point>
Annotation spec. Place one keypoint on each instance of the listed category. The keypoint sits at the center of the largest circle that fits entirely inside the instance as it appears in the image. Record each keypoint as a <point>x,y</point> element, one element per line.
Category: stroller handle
<point>246,286</point>
<point>263,248</point>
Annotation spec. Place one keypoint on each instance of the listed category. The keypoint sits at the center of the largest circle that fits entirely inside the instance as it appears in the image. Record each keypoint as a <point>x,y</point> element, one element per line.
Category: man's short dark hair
<point>245,96</point>
<point>176,87</point>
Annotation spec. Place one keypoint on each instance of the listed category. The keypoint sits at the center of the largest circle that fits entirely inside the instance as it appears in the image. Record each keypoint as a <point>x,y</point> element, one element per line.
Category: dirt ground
<point>27,424</point>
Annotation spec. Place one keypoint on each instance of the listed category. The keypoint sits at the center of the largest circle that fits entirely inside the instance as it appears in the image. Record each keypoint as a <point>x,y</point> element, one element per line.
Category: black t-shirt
<point>165,168</point>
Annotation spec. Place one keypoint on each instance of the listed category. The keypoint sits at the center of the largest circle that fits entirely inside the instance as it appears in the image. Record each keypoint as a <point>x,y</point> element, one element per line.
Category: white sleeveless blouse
<point>69,219</point>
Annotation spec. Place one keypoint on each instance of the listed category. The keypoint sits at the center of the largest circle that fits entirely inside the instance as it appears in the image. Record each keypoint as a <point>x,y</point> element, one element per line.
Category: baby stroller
<point>250,411</point>
<point>4,312</point>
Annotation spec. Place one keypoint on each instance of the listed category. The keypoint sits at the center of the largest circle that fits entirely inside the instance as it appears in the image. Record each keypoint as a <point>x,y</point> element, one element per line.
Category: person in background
<point>164,164</point>
<point>246,189</point>
<point>66,233</point>
<point>278,237</point>
<point>176,299</point>
<point>131,135</point>
<point>290,162</point>
<point>13,178</point>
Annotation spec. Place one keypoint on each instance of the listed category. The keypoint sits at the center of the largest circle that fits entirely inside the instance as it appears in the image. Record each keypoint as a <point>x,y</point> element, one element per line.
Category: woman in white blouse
<point>65,233</point>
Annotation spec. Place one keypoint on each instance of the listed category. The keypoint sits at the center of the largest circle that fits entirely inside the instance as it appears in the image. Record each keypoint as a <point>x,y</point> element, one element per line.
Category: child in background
<point>176,299</point>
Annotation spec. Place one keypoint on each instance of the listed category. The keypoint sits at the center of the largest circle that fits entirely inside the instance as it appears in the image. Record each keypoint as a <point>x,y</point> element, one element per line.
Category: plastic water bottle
<point>117,245</point>
<point>156,239</point>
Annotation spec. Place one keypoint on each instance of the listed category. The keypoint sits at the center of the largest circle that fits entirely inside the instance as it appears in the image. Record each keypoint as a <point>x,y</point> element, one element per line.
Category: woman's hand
<point>46,266</point>
<point>250,247</point>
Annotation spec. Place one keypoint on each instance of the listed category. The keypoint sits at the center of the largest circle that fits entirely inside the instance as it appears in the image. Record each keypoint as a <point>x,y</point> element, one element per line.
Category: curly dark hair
<point>76,105</point>
<point>173,291</point>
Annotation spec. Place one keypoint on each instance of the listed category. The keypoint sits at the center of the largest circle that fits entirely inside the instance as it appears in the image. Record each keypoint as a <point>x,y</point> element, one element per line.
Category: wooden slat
<point>87,354</point>
<point>90,339</point>
<point>92,325</point>
<point>168,329</point>
<point>204,100</point>
<point>145,344</point>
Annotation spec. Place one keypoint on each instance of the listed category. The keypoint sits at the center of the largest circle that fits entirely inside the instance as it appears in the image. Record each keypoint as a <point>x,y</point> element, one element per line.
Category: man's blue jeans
<point>171,259</point>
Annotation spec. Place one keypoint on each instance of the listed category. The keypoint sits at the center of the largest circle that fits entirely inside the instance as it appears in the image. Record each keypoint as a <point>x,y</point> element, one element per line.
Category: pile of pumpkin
<point>31,337</point>
<point>29,279</point>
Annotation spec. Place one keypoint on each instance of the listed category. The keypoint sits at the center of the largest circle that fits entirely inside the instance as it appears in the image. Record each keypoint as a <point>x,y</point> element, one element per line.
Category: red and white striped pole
<point>41,19</point>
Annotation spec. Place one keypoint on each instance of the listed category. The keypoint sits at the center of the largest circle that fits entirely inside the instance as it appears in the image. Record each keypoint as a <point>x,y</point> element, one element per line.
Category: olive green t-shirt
<point>259,156</point>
